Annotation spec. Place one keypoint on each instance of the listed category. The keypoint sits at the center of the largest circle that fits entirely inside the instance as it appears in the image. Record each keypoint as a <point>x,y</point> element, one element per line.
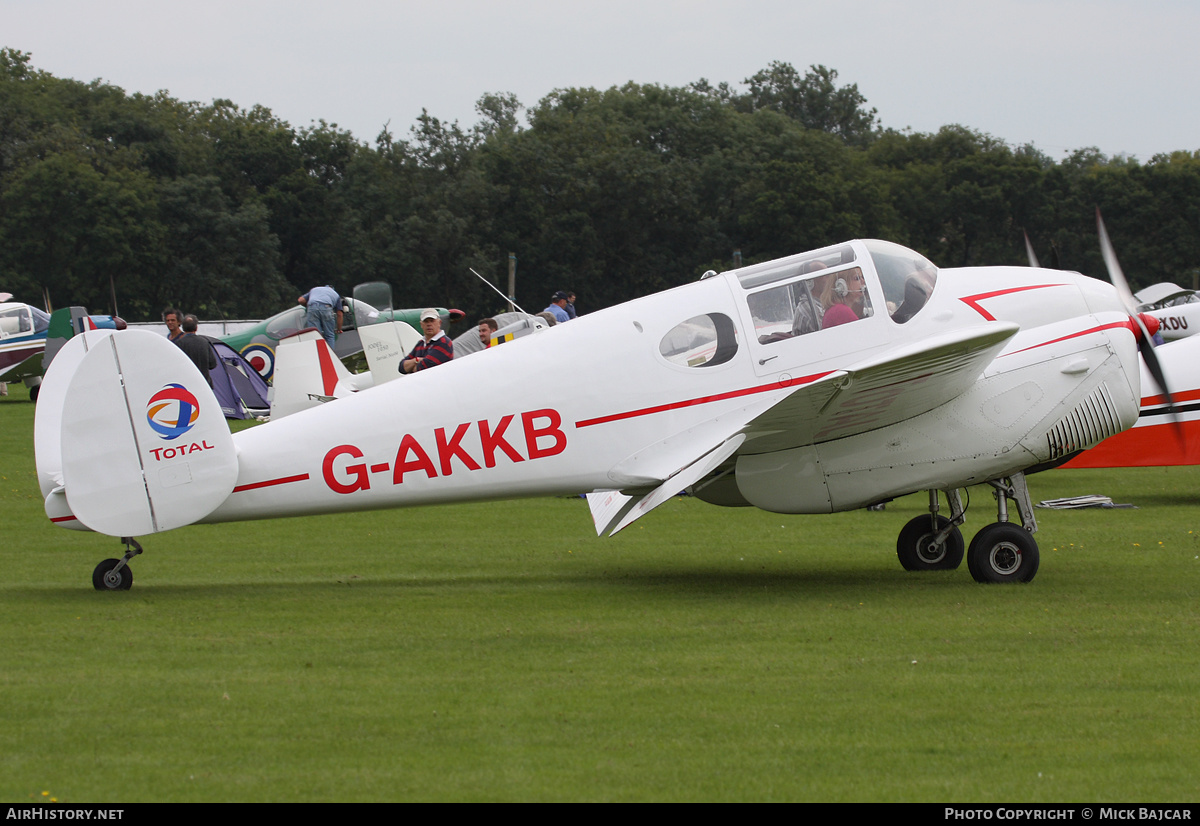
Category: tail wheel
<point>918,549</point>
<point>107,577</point>
<point>1003,552</point>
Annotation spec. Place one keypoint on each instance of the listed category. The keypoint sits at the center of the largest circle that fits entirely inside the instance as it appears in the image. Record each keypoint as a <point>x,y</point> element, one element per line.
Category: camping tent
<point>239,388</point>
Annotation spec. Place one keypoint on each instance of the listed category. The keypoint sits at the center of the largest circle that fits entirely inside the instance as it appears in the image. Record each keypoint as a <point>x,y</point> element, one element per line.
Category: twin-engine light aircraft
<point>821,382</point>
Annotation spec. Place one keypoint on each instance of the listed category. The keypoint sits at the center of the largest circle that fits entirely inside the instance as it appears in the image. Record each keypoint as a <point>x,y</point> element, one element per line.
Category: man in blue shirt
<point>558,308</point>
<point>324,311</point>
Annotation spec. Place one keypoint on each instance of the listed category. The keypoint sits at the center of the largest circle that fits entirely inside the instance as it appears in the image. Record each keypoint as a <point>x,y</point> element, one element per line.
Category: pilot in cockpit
<point>848,299</point>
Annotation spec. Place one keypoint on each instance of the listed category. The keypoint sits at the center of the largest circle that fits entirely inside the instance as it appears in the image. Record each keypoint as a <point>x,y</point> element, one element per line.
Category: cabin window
<point>41,320</point>
<point>771,272</point>
<point>701,341</point>
<point>821,300</point>
<point>15,321</point>
<point>908,278</point>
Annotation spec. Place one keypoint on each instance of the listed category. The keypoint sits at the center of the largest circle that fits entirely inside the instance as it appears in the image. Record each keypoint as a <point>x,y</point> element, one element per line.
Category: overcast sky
<point>1061,74</point>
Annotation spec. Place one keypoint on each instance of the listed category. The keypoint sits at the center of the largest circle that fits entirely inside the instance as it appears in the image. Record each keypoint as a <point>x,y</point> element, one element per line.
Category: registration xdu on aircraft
<point>825,381</point>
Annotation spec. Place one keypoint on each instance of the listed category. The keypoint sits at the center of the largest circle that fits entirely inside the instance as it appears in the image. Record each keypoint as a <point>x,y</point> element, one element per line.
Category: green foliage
<point>613,193</point>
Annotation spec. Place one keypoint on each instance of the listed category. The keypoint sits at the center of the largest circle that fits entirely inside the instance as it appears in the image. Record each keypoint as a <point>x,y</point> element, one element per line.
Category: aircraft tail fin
<point>385,345</point>
<point>307,373</point>
<point>143,445</point>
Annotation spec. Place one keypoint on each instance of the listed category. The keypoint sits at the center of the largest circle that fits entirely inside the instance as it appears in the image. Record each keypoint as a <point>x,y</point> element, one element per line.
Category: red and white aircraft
<point>745,387</point>
<point>1167,431</point>
<point>1176,309</point>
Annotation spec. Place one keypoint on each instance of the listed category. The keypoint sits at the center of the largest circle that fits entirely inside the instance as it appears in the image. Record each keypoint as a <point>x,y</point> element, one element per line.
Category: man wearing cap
<point>558,308</point>
<point>324,305</point>
<point>436,348</point>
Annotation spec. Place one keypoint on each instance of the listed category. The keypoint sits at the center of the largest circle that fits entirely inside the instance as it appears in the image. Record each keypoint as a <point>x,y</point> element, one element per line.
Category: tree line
<point>229,212</point>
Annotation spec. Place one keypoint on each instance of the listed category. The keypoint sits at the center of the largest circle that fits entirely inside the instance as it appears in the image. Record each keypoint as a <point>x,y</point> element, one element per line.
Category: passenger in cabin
<point>848,299</point>
<point>814,299</point>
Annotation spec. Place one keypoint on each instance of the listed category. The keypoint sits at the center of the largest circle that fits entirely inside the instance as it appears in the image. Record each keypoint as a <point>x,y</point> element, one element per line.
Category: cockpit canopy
<point>907,277</point>
<point>22,320</point>
<point>791,296</point>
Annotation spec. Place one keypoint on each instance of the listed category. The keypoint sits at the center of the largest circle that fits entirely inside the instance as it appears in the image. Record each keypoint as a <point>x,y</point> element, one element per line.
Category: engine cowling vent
<point>1092,421</point>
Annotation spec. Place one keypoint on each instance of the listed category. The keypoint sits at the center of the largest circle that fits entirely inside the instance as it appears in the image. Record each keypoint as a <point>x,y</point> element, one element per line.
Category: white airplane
<point>938,380</point>
<point>1176,309</point>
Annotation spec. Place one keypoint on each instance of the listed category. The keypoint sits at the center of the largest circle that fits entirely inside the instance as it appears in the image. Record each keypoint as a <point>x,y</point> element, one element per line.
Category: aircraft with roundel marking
<point>821,382</point>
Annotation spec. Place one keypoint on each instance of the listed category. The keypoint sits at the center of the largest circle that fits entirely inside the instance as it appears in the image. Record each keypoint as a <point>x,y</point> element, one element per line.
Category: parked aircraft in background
<point>30,337</point>
<point>257,344</point>
<point>1177,309</point>
<point>1167,432</point>
<point>739,387</point>
<point>22,342</point>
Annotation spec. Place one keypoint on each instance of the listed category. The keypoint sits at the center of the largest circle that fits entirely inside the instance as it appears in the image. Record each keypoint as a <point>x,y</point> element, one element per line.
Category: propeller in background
<point>1033,261</point>
<point>1145,340</point>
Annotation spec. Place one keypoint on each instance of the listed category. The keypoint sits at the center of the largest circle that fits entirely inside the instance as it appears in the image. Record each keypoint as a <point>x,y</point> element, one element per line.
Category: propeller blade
<point>1145,340</point>
<point>1115,274</point>
<point>1033,261</point>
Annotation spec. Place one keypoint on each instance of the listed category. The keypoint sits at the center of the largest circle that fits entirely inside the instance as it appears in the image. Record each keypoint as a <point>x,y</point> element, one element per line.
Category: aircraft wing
<point>898,385</point>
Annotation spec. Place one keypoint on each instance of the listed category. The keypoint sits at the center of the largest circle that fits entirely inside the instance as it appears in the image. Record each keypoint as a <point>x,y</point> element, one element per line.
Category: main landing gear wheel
<point>1003,552</point>
<point>108,577</point>
<point>918,548</point>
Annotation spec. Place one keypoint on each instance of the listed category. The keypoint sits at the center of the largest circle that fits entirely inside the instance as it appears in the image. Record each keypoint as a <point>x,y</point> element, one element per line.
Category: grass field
<point>502,652</point>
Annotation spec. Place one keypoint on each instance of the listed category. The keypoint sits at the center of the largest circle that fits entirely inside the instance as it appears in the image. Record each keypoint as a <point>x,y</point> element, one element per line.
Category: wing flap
<point>613,511</point>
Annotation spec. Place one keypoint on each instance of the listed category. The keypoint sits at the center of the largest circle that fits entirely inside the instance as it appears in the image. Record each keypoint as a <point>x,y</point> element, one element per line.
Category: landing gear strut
<point>933,542</point>
<point>115,574</point>
<point>1005,551</point>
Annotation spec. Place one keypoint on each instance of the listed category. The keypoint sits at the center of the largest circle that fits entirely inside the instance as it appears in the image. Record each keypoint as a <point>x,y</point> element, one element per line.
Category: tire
<point>1003,552</point>
<point>917,553</point>
<point>105,579</point>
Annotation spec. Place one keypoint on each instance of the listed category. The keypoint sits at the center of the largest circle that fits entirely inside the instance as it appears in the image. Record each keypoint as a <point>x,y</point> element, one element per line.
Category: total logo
<point>172,411</point>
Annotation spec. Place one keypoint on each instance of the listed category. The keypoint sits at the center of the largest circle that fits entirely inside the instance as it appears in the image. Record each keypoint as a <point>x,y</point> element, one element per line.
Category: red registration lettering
<point>491,441</point>
<point>420,460</point>
<point>448,450</point>
<point>357,472</point>
<point>551,431</point>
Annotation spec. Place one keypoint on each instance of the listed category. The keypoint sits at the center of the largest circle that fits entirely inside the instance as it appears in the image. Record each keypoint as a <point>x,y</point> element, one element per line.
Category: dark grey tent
<point>239,388</point>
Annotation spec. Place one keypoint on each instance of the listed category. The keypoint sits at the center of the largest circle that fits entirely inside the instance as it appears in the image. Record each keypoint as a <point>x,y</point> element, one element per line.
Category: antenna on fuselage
<point>508,299</point>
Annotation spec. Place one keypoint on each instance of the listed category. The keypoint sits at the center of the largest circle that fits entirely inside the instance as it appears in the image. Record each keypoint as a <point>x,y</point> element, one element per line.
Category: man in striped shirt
<point>436,348</point>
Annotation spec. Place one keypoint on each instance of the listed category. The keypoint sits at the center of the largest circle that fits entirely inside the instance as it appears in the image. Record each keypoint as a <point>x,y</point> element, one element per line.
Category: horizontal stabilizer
<point>145,446</point>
